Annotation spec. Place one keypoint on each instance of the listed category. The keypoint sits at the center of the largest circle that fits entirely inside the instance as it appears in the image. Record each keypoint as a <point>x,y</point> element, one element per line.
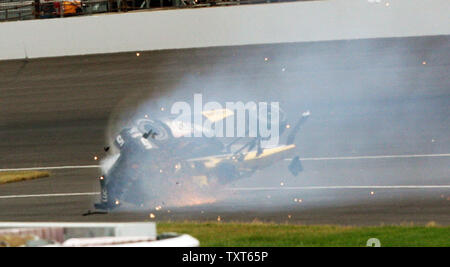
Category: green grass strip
<point>282,235</point>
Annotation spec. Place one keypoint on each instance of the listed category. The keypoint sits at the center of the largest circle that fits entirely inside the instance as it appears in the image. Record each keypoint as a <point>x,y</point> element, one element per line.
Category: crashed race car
<point>153,158</point>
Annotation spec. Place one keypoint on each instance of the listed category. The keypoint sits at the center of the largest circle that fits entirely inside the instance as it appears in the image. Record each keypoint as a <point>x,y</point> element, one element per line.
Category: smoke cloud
<point>367,98</point>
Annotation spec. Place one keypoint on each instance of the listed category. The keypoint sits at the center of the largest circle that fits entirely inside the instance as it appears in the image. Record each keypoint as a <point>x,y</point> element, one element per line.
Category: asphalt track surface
<point>376,147</point>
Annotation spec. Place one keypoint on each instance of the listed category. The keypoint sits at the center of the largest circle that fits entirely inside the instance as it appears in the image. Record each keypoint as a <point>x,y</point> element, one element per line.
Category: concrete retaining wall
<point>224,26</point>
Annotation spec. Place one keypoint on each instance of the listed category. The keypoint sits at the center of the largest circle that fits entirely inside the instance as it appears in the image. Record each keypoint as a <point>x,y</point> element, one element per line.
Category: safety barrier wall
<point>224,26</point>
<point>137,234</point>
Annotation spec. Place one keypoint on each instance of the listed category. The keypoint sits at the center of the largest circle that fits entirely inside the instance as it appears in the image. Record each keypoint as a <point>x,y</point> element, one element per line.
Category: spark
<point>146,116</point>
<point>298,200</point>
<point>372,193</point>
<point>388,4</point>
<point>95,158</point>
<point>281,184</point>
<point>102,177</point>
<point>138,54</point>
<point>289,216</point>
<point>158,208</point>
<point>266,59</point>
<point>162,109</point>
<point>283,69</point>
<point>160,171</point>
<point>288,126</point>
<point>152,216</point>
<point>424,63</point>
<point>219,219</point>
<point>117,202</point>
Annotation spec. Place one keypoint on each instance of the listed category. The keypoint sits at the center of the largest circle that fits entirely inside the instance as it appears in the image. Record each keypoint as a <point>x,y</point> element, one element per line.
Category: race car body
<point>154,157</point>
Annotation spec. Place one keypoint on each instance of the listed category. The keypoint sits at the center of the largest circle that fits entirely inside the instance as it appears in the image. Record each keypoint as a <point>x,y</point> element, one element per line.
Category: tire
<point>163,133</point>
